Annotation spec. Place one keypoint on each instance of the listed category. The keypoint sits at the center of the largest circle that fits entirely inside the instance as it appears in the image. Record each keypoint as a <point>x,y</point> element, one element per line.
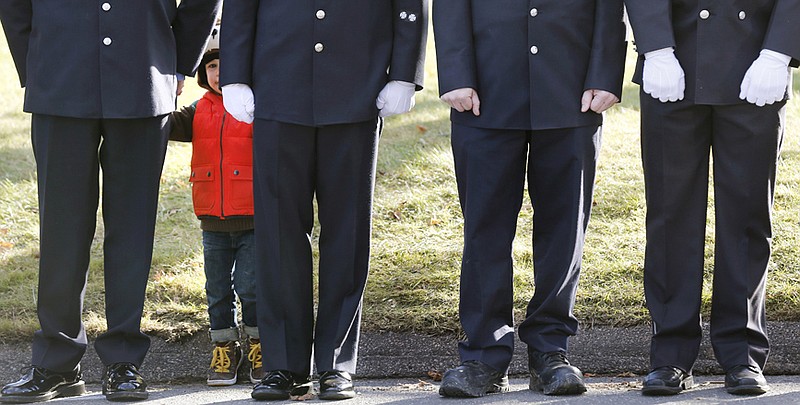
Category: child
<point>222,194</point>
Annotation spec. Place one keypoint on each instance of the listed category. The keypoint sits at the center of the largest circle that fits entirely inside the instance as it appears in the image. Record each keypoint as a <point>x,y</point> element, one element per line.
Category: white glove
<point>663,76</point>
<point>767,79</point>
<point>396,98</point>
<point>239,102</point>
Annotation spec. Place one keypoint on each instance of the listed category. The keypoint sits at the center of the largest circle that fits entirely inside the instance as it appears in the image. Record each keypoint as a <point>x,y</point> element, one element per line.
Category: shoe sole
<point>569,385</point>
<point>465,391</point>
<point>223,383</point>
<point>337,395</point>
<point>748,389</point>
<point>71,390</point>
<point>127,396</point>
<point>270,395</point>
<point>658,391</point>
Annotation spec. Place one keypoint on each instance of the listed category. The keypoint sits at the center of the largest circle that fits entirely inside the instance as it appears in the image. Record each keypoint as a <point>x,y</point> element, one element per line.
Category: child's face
<point>212,72</point>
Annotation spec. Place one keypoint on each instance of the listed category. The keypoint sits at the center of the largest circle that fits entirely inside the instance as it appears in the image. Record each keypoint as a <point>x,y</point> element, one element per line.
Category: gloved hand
<point>767,78</point>
<point>663,76</point>
<point>397,97</point>
<point>239,102</point>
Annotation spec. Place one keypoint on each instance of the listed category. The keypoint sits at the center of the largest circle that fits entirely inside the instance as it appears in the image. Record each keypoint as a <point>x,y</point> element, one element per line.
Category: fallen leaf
<point>435,375</point>
<point>421,128</point>
<point>304,397</point>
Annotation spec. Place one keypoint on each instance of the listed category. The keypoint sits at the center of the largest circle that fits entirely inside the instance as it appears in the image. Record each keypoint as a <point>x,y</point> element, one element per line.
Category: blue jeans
<point>229,267</point>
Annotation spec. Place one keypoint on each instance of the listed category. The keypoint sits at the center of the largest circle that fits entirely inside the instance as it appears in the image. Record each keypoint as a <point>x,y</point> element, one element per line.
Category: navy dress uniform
<point>99,79</point>
<point>715,44</point>
<point>530,63</point>
<point>315,69</point>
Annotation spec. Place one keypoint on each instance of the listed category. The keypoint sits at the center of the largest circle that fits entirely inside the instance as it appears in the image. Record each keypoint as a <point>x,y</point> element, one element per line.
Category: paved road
<point>602,391</point>
<point>393,368</point>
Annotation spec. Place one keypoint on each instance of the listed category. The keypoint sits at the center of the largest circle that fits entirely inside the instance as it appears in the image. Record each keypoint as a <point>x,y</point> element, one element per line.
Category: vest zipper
<point>221,170</point>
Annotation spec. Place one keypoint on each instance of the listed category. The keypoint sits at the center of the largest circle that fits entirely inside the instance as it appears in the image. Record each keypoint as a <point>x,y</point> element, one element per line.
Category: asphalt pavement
<point>400,368</point>
<point>785,390</point>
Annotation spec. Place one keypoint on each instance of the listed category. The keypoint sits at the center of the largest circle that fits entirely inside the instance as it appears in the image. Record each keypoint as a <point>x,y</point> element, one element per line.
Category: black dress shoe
<point>473,379</point>
<point>745,380</point>
<point>666,380</point>
<point>336,385</point>
<point>281,384</point>
<point>123,382</point>
<point>552,374</point>
<point>40,384</point>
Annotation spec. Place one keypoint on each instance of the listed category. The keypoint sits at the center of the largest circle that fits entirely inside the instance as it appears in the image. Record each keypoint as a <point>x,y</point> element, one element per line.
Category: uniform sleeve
<point>455,50</point>
<point>607,60</point>
<point>191,27</point>
<point>652,24</point>
<point>783,34</point>
<point>180,123</point>
<point>237,41</point>
<point>409,40</point>
<point>16,17</point>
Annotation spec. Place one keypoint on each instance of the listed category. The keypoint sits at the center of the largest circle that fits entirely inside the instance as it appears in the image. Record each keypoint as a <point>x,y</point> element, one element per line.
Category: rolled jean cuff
<point>251,331</point>
<point>223,335</point>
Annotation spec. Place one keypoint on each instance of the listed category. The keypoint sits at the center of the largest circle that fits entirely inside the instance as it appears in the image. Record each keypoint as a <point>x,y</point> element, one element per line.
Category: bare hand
<point>597,100</point>
<point>463,99</point>
<point>180,88</point>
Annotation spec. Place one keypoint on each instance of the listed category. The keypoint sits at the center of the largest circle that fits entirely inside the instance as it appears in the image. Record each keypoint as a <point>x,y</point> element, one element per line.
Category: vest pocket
<point>203,190</point>
<point>239,193</point>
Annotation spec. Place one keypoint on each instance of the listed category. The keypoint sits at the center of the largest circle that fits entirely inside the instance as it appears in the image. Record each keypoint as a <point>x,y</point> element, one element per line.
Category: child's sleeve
<point>180,123</point>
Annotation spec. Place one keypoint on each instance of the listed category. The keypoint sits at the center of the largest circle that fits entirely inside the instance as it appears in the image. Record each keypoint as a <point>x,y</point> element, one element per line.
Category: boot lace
<point>254,355</point>
<point>553,359</point>
<point>220,360</point>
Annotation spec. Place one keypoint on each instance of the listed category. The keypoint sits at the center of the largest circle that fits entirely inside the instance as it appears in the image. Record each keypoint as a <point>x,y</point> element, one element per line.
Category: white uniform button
<point>320,14</point>
<point>534,12</point>
<point>742,15</point>
<point>106,41</point>
<point>403,15</point>
<point>412,17</point>
<point>704,14</point>
<point>106,6</point>
<point>534,49</point>
<point>318,47</point>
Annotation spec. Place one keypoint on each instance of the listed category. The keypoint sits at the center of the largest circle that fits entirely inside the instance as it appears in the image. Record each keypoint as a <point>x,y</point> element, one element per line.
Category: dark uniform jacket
<point>319,62</point>
<point>105,59</point>
<point>715,41</point>
<point>530,61</point>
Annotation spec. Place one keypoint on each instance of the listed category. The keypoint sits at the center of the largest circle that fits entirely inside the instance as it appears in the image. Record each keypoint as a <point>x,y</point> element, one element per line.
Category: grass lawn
<point>417,237</point>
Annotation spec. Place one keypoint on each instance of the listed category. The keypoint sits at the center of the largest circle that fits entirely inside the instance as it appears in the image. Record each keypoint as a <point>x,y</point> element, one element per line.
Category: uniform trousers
<point>70,153</point>
<point>293,165</point>
<point>491,166</point>
<point>744,141</point>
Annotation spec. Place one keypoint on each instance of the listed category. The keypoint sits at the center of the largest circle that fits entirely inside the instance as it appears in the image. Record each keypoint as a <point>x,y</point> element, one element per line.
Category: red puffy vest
<point>222,161</point>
